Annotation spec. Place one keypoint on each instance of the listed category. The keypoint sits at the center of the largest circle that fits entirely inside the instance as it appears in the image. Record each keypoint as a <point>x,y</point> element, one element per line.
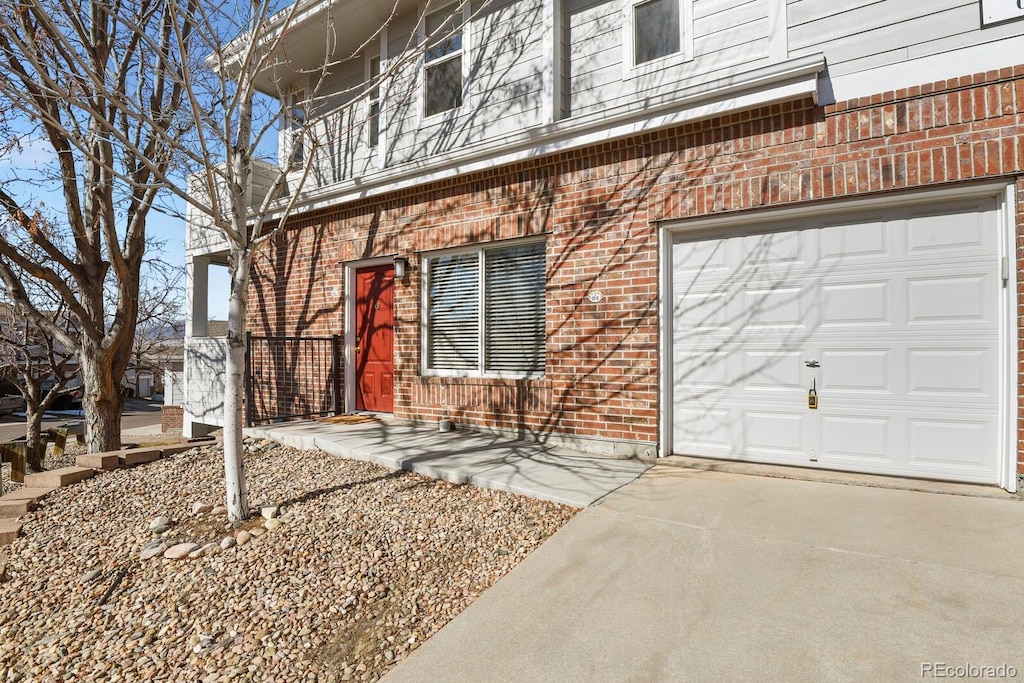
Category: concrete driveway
<point>708,576</point>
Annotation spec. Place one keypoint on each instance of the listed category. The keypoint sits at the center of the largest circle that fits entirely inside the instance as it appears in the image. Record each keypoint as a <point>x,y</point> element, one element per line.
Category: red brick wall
<point>170,417</point>
<point>596,207</point>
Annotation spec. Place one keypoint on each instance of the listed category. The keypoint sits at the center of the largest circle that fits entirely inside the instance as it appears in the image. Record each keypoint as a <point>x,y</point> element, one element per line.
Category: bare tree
<point>159,330</point>
<point>168,94</point>
<point>37,365</point>
<point>232,118</point>
<point>100,86</point>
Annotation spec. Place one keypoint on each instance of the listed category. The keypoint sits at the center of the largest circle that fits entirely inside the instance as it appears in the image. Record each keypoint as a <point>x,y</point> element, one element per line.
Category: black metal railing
<point>291,377</point>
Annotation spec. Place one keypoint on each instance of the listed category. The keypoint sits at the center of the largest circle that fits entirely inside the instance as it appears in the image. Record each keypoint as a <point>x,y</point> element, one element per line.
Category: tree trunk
<point>234,391</point>
<point>102,403</point>
<point>34,449</point>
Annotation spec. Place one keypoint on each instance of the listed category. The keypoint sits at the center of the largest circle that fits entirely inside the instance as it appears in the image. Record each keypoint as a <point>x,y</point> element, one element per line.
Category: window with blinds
<point>485,311</point>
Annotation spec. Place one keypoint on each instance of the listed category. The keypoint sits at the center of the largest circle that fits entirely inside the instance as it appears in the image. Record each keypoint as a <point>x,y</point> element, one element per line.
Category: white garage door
<point>893,318</point>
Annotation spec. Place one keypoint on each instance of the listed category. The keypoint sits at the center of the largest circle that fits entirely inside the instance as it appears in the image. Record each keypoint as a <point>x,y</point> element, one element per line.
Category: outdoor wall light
<point>401,267</point>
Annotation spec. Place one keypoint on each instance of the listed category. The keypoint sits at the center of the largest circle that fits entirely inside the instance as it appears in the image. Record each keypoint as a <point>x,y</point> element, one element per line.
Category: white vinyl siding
<point>485,311</point>
<point>503,55</point>
<point>718,39</point>
<point>856,35</point>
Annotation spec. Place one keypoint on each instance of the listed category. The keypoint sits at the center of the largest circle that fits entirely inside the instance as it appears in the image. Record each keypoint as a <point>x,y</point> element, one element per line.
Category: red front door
<point>375,352</point>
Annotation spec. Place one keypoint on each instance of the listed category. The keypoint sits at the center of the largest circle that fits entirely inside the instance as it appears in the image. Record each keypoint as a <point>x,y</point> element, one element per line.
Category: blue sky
<point>36,155</point>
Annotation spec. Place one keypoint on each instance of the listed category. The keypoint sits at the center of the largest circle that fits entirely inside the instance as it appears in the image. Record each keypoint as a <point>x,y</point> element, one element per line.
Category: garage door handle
<point>812,363</point>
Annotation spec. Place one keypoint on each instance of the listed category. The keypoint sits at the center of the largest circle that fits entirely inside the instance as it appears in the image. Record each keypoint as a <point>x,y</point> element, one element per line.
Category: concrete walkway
<point>688,575</point>
<point>535,470</point>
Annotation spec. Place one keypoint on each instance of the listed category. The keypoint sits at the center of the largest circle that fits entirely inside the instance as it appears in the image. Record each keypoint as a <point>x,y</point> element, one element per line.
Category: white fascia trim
<point>784,82</point>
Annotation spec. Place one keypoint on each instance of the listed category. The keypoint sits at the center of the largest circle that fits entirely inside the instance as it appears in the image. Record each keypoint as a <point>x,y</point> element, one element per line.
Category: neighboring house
<point>782,232</point>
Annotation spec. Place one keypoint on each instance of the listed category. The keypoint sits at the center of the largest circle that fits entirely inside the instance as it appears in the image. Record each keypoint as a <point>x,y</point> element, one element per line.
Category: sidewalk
<point>543,472</point>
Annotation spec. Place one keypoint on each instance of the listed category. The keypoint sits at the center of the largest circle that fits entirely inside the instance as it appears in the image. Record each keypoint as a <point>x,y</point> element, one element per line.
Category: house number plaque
<point>996,11</point>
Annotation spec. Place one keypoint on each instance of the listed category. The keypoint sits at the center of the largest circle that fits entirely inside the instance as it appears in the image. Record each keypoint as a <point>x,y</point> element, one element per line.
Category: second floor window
<point>655,30</point>
<point>296,114</point>
<point>373,115</point>
<point>442,61</point>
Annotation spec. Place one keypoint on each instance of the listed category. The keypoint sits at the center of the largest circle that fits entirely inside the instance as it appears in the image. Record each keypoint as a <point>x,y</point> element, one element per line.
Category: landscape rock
<point>180,551</point>
<point>272,524</point>
<point>91,576</point>
<point>270,511</point>
<point>199,508</point>
<point>154,551</point>
<point>373,564</point>
<point>243,537</point>
<point>161,521</point>
<point>228,542</point>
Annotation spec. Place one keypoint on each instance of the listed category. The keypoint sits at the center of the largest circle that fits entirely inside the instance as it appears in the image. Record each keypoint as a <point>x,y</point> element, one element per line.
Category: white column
<point>197,295</point>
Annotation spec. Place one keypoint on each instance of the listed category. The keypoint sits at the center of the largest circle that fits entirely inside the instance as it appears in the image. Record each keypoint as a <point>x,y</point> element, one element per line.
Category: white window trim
<point>464,52</point>
<point>480,249</point>
<point>376,152</point>
<point>685,54</point>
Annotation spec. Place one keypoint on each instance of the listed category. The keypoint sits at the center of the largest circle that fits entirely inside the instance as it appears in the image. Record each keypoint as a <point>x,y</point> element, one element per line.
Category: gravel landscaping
<point>355,570</point>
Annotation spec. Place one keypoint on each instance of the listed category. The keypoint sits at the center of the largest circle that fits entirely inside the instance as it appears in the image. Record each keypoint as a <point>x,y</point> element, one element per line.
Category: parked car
<point>10,398</point>
<point>70,397</point>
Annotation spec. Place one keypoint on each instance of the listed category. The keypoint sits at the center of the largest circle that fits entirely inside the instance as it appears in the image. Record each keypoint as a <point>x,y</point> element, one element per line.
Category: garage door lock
<point>812,396</point>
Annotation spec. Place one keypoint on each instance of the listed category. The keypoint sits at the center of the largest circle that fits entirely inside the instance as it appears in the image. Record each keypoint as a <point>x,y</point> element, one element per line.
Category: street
<point>137,413</point>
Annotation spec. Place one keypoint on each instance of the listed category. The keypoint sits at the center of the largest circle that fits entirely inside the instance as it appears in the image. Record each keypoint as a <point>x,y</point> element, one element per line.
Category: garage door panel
<point>857,242</point>
<point>966,372</point>
<point>782,433</point>
<point>704,431</point>
<point>962,299</point>
<point>772,257</point>
<point>856,439</point>
<point>776,307</point>
<point>856,370</point>
<point>949,442</point>
<point>900,311</point>
<point>950,233</point>
<point>701,370</point>
<point>772,370</point>
<point>692,259</point>
<point>855,304</point>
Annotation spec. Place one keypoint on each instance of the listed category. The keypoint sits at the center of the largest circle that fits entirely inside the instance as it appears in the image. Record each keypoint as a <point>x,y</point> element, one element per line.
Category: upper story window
<point>485,311</point>
<point>373,102</point>
<point>442,60</point>
<point>295,113</point>
<point>656,30</point>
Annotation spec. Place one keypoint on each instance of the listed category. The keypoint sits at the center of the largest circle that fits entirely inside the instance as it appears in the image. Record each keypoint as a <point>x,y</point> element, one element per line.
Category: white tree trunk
<point>234,393</point>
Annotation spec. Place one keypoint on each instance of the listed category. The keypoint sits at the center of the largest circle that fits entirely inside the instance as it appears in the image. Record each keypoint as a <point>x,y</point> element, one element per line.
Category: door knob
<point>812,363</point>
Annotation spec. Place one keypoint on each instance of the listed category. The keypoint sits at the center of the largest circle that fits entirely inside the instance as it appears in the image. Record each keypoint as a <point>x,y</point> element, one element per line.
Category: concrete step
<point>9,530</point>
<point>31,494</point>
<point>56,478</point>
<point>137,456</point>
<point>110,460</point>
<point>12,509</point>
